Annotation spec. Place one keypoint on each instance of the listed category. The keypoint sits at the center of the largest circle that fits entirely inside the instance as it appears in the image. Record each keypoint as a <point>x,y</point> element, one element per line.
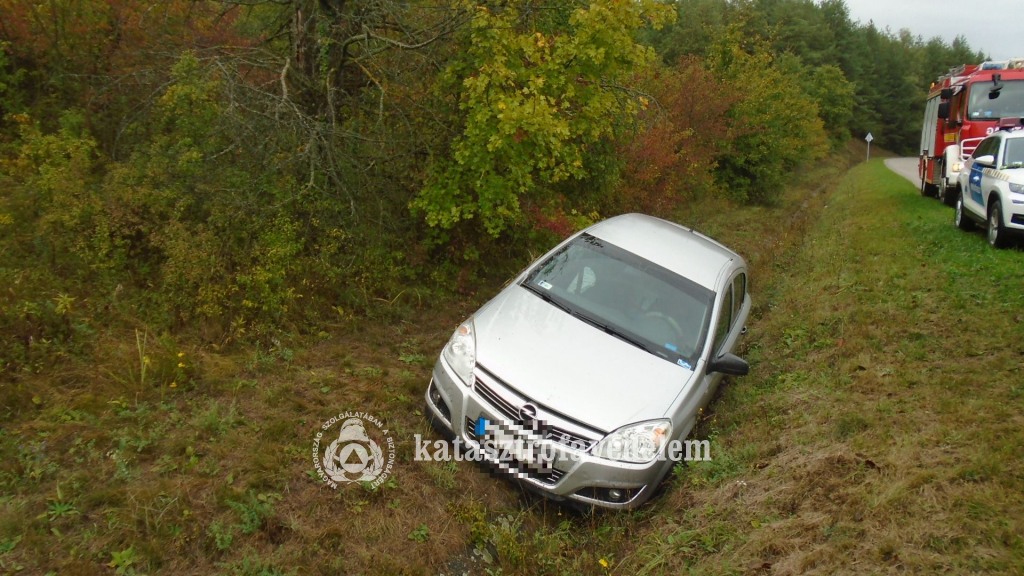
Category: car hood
<point>571,367</point>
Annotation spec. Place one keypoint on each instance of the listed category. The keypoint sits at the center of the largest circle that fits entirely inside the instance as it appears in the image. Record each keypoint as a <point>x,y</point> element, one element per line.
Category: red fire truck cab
<point>964,107</point>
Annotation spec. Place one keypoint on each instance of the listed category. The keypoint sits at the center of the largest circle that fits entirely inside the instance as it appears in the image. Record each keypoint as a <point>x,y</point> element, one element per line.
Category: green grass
<point>880,429</point>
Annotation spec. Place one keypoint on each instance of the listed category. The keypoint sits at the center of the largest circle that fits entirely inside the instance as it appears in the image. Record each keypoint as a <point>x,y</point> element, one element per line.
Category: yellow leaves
<point>603,563</point>
<point>532,101</point>
<point>64,303</point>
<point>643,103</point>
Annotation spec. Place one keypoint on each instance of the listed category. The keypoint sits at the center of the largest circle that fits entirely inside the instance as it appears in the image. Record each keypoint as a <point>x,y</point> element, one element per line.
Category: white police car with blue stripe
<point>990,188</point>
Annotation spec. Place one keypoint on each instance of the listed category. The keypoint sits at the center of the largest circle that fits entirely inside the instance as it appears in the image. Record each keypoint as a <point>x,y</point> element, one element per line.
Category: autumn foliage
<point>255,167</point>
<point>682,131</point>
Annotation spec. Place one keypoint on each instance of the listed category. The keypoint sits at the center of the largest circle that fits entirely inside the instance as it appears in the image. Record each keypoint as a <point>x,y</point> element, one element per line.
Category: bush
<point>186,228</point>
<point>683,130</point>
<point>775,125</point>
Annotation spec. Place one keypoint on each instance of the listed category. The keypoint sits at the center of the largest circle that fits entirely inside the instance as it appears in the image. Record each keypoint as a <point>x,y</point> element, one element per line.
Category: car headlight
<point>956,167</point>
<point>460,353</point>
<point>636,443</point>
<point>1018,188</point>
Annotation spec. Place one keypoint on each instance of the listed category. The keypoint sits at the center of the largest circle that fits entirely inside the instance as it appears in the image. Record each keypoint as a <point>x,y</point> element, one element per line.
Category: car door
<point>974,200</point>
<point>725,334</point>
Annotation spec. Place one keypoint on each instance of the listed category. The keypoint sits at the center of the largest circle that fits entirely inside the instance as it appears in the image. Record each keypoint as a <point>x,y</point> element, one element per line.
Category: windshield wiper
<point>611,330</point>
<point>595,323</point>
<point>546,297</point>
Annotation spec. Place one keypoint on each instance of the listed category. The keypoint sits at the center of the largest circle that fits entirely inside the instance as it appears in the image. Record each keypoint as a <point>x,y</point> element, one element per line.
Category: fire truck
<point>964,107</point>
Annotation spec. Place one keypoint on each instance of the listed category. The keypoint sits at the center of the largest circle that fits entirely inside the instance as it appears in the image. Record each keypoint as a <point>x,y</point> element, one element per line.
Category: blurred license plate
<point>513,442</point>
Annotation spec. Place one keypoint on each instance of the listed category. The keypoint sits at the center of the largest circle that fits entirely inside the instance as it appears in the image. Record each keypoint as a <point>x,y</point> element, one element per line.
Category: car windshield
<point>627,296</point>
<point>1014,155</point>
<point>1009,103</point>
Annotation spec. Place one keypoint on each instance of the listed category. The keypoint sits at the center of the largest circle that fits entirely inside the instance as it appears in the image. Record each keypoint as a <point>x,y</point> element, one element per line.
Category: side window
<point>980,150</point>
<point>724,319</point>
<point>989,146</point>
<point>739,291</point>
<point>993,146</point>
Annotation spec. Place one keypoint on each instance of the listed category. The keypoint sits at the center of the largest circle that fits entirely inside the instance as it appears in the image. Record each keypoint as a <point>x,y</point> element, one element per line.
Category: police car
<point>991,186</point>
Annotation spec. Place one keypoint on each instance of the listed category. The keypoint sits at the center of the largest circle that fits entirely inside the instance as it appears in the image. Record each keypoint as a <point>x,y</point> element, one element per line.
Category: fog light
<point>615,494</point>
<point>435,396</point>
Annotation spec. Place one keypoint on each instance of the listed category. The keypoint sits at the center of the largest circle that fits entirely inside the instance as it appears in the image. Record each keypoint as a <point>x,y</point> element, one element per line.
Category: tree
<point>775,125</point>
<point>536,90</point>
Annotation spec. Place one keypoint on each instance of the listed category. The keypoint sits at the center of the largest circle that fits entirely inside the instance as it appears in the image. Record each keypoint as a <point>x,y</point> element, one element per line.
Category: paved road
<point>906,167</point>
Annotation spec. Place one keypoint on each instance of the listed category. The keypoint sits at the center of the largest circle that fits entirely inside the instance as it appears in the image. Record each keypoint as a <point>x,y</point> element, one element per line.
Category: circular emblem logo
<point>528,412</point>
<point>355,455</point>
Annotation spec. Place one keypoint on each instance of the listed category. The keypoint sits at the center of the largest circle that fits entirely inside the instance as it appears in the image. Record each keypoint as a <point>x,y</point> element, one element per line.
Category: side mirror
<point>997,86</point>
<point>946,93</point>
<point>986,160</point>
<point>730,365</point>
<point>944,110</point>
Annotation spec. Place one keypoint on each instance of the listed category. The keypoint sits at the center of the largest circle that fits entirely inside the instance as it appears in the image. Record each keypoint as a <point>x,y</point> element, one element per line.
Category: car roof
<point>1004,133</point>
<point>682,250</point>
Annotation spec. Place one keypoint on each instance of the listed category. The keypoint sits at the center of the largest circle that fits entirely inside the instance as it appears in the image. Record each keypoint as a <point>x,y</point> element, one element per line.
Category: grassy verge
<point>867,432</point>
<point>881,428</point>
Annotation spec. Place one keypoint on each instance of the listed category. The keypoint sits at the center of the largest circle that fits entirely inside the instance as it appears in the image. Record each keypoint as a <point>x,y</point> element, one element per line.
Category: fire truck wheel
<point>961,220</point>
<point>928,190</point>
<point>996,232</point>
<point>947,195</point>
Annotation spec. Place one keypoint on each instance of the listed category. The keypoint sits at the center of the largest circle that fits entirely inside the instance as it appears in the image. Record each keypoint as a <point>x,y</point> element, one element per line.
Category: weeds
<point>421,534</point>
<point>254,511</point>
<point>222,536</point>
<point>140,346</point>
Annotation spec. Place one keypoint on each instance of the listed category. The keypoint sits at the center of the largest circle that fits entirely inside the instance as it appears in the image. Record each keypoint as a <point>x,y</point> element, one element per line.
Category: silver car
<point>583,374</point>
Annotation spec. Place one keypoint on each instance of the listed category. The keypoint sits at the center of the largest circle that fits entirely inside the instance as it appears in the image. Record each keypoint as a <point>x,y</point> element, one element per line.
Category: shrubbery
<point>775,125</point>
<point>186,165</point>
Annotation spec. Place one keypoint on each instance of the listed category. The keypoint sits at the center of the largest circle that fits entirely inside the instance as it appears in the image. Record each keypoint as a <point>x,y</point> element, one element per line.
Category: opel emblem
<point>528,412</point>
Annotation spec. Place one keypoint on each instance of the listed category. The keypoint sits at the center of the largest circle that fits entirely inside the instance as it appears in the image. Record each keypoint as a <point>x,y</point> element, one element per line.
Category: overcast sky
<point>992,26</point>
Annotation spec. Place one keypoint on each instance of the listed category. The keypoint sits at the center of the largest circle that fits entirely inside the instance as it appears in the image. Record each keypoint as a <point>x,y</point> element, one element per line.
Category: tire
<point>947,195</point>
<point>997,236</point>
<point>962,220</point>
<point>928,190</point>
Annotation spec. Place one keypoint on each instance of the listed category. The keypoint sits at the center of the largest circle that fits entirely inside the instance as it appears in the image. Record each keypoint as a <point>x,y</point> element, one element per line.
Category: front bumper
<point>1013,209</point>
<point>576,476</point>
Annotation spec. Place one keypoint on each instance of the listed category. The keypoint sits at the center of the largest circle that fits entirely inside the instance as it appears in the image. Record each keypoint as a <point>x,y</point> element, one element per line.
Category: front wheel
<point>947,195</point>
<point>996,231</point>
<point>961,220</point>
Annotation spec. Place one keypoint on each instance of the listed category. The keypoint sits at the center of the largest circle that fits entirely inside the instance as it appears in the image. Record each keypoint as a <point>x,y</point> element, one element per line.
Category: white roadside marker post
<point>869,138</point>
